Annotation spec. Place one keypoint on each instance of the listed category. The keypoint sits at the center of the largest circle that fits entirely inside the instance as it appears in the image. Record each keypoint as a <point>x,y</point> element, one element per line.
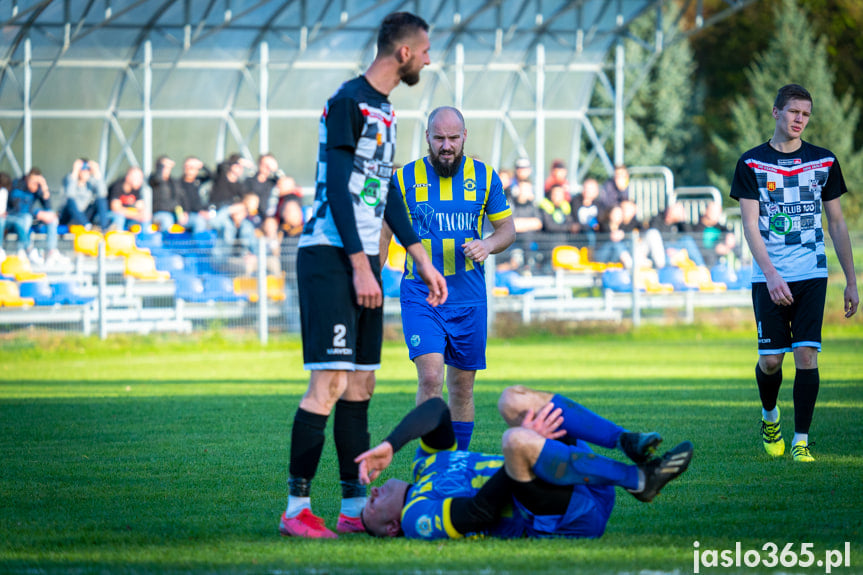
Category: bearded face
<point>446,136</point>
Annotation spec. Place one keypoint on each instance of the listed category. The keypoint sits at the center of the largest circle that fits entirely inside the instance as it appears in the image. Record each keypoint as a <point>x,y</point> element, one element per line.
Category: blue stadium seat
<point>168,261</point>
<point>392,281</point>
<point>40,291</point>
<point>674,276</point>
<point>617,280</point>
<point>68,293</point>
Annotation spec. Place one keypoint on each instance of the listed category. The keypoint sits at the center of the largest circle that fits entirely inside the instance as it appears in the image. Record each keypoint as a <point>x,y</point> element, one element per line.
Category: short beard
<point>408,77</point>
<point>446,170</point>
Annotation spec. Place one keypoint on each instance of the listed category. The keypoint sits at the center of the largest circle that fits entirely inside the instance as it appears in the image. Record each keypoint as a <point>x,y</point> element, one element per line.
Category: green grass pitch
<point>168,455</point>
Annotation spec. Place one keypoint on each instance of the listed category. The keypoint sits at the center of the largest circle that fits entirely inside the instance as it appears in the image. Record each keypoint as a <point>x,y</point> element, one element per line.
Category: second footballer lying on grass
<point>547,483</point>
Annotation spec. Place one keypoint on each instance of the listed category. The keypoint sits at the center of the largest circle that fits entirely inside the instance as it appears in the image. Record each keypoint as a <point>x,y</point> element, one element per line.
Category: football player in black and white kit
<point>783,186</point>
<point>338,271</point>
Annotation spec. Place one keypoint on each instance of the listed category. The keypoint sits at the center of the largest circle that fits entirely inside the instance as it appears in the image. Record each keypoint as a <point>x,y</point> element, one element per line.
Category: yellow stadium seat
<point>648,279</point>
<point>10,296</point>
<point>396,256</point>
<point>142,266</point>
<point>87,243</point>
<point>575,259</point>
<point>176,229</point>
<point>120,243</point>
<point>248,287</point>
<point>76,229</point>
<point>20,269</point>
<point>699,277</point>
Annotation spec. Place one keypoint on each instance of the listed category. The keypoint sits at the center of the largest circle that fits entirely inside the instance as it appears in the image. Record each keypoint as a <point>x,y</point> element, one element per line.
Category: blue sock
<point>562,464</point>
<point>581,423</point>
<point>463,433</point>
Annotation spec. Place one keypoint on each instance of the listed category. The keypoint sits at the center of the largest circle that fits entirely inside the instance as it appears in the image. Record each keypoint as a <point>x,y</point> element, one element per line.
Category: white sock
<point>798,437</point>
<point>297,504</point>
<point>352,506</point>
<point>771,416</point>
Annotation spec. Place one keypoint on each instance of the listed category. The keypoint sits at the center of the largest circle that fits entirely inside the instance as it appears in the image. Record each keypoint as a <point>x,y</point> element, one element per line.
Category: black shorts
<point>782,328</point>
<point>337,333</point>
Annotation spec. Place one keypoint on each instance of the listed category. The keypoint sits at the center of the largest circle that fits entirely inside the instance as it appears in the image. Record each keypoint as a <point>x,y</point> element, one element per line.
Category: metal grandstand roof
<point>122,81</point>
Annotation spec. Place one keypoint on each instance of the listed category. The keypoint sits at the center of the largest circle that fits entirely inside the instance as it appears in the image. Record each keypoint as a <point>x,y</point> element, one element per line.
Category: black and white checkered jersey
<point>790,189</point>
<point>359,117</point>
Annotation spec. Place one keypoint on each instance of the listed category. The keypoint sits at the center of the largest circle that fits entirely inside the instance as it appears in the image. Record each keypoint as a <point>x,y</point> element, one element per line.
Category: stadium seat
<point>648,280</point>
<point>674,276</point>
<point>87,243</point>
<point>120,243</point>
<point>699,277</point>
<point>19,268</point>
<point>39,291</point>
<point>68,293</point>
<point>10,296</point>
<point>215,288</point>
<point>248,287</point>
<point>170,262</point>
<point>617,280</point>
<point>142,266</point>
<point>575,259</point>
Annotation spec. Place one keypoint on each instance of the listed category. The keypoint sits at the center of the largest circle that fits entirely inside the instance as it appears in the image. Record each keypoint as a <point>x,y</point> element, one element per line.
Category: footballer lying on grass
<point>547,483</point>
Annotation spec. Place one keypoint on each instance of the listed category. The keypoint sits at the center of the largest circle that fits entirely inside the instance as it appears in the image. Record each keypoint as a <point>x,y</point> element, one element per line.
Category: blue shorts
<point>457,332</point>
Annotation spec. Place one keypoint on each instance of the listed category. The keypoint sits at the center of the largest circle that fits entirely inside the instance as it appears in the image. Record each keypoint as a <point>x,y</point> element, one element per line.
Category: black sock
<point>768,387</point>
<point>806,384</point>
<point>307,443</point>
<point>351,434</point>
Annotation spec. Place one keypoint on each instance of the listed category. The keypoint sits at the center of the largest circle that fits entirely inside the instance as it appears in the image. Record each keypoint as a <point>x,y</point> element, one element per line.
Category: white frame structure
<point>252,75</point>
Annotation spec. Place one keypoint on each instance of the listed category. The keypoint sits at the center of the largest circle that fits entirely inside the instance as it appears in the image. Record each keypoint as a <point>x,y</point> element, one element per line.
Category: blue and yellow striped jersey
<point>446,213</point>
<point>442,476</point>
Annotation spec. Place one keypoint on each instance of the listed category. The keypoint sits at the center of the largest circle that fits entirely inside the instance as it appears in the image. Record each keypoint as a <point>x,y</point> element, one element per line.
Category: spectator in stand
<point>194,176</point>
<point>675,233</point>
<point>558,177</point>
<point>168,196</point>
<point>506,179</point>
<point>264,183</point>
<point>290,217</point>
<point>525,214</point>
<point>615,190</point>
<point>718,242</point>
<point>615,249</point>
<point>86,197</point>
<point>585,210</point>
<point>227,195</point>
<point>555,212</point>
<point>125,198</point>
<point>5,190</point>
<point>29,206</point>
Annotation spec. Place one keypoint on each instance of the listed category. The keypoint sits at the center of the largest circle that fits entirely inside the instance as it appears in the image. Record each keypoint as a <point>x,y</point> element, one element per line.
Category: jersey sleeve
<point>344,124</point>
<point>498,206</point>
<point>835,185</point>
<point>429,519</point>
<point>744,184</point>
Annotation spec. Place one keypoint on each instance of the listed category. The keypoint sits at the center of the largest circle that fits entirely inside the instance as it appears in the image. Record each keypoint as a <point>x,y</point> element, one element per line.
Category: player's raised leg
<point>578,422</point>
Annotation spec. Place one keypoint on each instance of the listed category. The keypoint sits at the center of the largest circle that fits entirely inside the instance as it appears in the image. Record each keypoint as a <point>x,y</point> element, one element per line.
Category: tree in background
<point>658,123</point>
<point>793,55</point>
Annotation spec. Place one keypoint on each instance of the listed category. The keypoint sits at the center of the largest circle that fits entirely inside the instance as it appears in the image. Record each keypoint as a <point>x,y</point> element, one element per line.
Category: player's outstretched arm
<point>374,461</point>
<point>430,420</point>
<point>435,282</point>
<point>842,244</point>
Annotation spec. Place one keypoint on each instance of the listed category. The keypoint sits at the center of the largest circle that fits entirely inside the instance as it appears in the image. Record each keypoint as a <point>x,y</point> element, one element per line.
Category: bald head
<point>445,136</point>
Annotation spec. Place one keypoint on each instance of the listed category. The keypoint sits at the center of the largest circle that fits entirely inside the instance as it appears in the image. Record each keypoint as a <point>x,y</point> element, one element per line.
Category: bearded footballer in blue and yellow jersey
<point>547,483</point>
<point>448,196</point>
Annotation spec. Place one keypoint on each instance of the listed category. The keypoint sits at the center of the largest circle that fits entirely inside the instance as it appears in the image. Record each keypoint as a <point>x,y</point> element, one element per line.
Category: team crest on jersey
<point>371,193</point>
<point>415,340</point>
<point>771,186</point>
<point>424,526</point>
<point>815,186</point>
<point>470,185</point>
